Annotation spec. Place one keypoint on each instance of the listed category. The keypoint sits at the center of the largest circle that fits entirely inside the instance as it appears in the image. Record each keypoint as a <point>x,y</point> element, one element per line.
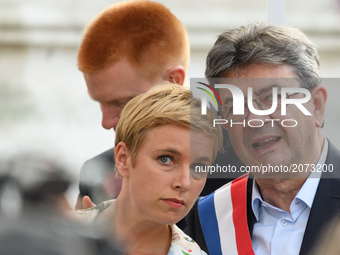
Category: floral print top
<point>181,244</point>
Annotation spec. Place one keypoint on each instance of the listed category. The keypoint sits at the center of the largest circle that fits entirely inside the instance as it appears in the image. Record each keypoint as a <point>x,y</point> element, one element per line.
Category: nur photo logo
<point>236,104</point>
<point>208,91</point>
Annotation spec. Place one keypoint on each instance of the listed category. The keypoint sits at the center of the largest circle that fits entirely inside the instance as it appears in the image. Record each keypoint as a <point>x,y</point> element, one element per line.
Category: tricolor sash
<point>223,217</point>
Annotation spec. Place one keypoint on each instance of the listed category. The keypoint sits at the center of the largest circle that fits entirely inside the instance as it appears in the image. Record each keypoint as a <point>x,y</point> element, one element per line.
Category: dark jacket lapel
<point>326,206</point>
<point>250,214</point>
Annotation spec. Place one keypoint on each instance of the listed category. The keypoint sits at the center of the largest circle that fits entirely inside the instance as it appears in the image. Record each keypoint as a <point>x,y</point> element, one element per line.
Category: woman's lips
<point>175,203</point>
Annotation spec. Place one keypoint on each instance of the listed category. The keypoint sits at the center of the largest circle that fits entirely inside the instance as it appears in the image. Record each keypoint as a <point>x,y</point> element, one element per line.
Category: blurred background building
<point>43,98</point>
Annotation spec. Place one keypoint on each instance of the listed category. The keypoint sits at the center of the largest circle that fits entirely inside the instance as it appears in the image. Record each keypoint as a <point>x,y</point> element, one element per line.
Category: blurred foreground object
<point>33,209</point>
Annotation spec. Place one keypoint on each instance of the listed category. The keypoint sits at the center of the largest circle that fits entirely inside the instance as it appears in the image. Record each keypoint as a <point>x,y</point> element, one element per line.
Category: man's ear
<point>175,74</point>
<point>319,97</point>
<point>122,159</point>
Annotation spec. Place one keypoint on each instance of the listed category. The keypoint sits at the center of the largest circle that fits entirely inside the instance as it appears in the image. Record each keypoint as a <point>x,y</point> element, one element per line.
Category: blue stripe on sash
<point>207,215</point>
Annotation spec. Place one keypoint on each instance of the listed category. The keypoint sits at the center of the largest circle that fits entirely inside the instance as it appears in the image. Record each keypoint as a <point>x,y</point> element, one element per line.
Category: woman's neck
<point>137,235</point>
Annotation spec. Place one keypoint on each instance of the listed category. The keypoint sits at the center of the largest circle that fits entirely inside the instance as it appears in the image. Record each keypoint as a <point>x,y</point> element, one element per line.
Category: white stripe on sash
<point>224,214</point>
<point>230,223</point>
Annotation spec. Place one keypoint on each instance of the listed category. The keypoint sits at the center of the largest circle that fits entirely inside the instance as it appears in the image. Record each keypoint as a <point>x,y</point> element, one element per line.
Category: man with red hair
<point>127,49</point>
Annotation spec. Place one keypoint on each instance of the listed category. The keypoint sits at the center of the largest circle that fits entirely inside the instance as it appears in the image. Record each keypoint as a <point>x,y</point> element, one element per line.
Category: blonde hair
<point>161,105</point>
<point>146,33</point>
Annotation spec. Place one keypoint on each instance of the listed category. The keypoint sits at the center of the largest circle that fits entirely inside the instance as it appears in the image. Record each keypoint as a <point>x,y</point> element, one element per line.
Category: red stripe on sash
<point>238,192</point>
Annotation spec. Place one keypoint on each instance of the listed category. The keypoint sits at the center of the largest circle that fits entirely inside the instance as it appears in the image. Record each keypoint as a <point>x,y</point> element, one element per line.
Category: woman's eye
<point>166,160</point>
<point>199,170</point>
<point>199,167</point>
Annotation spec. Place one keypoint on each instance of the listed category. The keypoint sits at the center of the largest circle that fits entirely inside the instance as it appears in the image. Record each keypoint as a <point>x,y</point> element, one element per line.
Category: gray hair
<point>265,43</point>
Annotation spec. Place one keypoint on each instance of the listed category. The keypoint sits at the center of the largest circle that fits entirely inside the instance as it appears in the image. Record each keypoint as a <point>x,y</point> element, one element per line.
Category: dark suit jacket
<point>322,219</point>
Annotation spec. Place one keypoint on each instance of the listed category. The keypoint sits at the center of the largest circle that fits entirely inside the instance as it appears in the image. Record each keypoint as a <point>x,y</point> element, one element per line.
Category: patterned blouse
<point>181,244</point>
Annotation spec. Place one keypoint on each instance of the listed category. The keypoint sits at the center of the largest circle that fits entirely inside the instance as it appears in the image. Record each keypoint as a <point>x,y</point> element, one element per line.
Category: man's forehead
<point>118,82</point>
<point>116,91</point>
<point>259,86</point>
<point>261,75</point>
<point>118,96</point>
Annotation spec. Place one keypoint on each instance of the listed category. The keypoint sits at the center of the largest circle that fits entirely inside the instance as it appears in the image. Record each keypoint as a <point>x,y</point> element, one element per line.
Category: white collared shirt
<point>277,231</point>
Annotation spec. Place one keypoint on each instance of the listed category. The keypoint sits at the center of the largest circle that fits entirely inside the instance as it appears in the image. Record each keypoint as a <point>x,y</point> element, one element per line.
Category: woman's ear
<point>122,159</point>
<point>319,98</point>
<point>175,74</point>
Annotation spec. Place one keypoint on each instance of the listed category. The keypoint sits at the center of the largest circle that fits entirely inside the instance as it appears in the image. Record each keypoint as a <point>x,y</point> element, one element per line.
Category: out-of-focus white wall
<point>43,98</point>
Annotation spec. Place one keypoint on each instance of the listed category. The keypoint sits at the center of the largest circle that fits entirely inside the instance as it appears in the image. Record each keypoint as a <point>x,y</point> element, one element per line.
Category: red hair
<point>144,32</point>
